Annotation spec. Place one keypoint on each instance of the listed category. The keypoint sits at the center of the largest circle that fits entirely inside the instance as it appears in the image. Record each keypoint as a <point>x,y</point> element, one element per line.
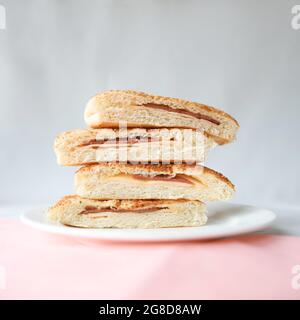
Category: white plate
<point>224,219</point>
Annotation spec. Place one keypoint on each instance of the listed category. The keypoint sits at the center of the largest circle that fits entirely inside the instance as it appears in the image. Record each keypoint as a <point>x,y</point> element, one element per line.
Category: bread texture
<point>81,147</point>
<point>142,110</point>
<point>125,181</point>
<point>76,211</point>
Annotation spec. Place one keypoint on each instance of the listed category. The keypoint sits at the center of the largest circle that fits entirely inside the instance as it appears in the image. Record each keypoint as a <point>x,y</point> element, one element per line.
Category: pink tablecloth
<point>36,265</point>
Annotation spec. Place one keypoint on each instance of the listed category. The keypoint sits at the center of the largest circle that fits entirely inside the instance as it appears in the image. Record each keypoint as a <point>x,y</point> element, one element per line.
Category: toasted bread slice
<point>142,110</point>
<point>126,181</point>
<point>80,147</point>
<point>87,213</point>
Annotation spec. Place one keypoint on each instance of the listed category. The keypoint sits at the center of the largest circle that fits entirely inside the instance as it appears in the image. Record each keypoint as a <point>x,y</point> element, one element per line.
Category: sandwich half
<point>87,213</point>
<point>80,147</point>
<point>141,110</point>
<point>125,181</point>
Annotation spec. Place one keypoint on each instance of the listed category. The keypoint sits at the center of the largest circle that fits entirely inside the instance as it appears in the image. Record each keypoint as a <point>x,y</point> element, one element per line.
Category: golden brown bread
<point>140,109</point>
<point>167,169</point>
<point>88,213</point>
<point>126,181</point>
<point>86,146</point>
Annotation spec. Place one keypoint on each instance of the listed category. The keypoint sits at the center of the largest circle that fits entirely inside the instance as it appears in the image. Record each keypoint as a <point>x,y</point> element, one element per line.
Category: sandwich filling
<point>164,177</point>
<point>182,111</point>
<point>92,209</point>
<point>122,141</point>
<point>175,178</point>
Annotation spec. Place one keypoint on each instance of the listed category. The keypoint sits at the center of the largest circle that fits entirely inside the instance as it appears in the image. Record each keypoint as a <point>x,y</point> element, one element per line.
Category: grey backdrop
<point>242,56</point>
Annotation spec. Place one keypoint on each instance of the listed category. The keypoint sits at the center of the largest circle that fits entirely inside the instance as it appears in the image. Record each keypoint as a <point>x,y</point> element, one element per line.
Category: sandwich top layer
<point>108,108</point>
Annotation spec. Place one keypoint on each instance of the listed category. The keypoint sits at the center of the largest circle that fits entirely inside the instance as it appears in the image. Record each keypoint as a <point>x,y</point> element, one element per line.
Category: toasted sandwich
<point>141,110</point>
<point>125,181</point>
<point>81,147</point>
<point>87,213</point>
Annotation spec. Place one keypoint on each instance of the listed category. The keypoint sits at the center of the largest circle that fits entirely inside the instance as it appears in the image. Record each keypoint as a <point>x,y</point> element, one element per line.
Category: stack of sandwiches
<point>141,162</point>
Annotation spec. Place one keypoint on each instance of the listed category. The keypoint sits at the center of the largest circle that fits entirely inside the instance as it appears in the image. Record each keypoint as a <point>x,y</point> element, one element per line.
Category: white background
<point>241,56</point>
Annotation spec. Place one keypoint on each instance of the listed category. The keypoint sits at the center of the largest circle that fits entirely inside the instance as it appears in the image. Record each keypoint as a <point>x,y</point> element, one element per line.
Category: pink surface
<point>36,265</point>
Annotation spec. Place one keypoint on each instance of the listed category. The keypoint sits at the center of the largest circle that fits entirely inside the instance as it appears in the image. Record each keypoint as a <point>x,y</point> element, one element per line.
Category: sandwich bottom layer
<point>127,214</point>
